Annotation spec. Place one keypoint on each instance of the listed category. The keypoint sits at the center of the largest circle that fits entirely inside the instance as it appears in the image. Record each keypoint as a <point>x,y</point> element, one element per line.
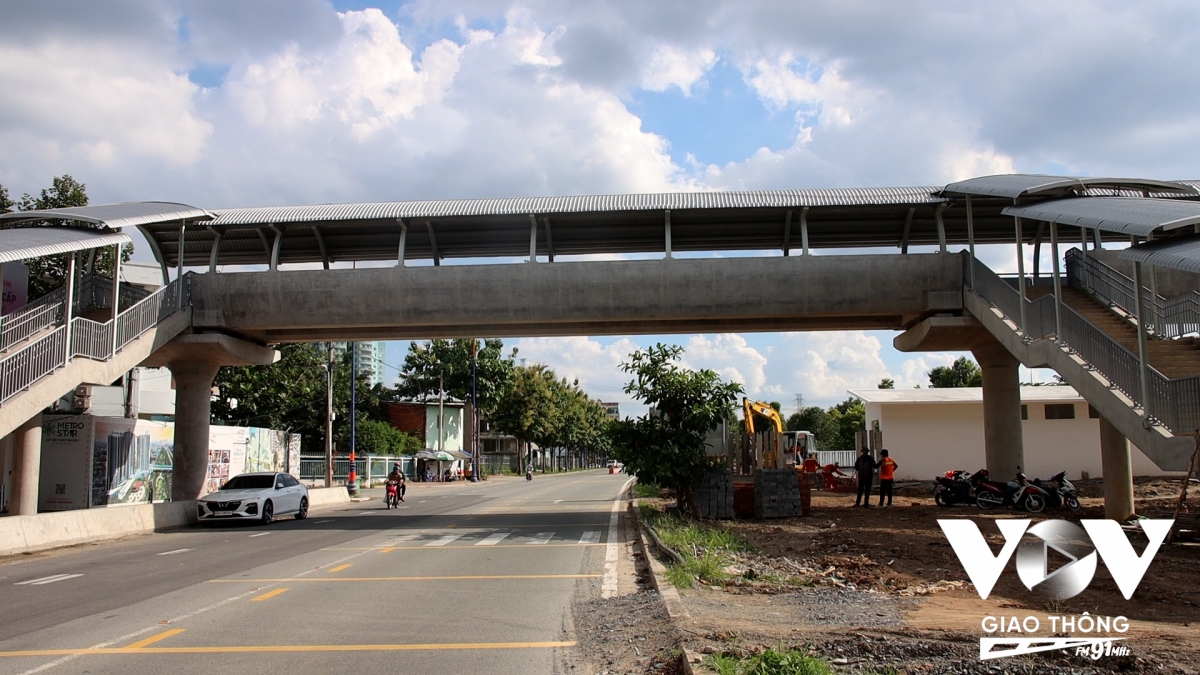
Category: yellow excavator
<point>768,454</point>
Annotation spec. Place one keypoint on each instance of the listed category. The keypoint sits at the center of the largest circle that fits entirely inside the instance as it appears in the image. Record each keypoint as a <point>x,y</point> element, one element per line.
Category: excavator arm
<point>752,408</point>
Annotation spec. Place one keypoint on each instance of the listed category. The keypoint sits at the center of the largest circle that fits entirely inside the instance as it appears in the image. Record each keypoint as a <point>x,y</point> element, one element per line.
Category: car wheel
<point>268,513</point>
<point>303,512</point>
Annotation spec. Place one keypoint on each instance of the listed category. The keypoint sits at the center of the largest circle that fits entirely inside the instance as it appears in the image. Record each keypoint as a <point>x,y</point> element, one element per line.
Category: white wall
<point>928,439</point>
<point>454,430</point>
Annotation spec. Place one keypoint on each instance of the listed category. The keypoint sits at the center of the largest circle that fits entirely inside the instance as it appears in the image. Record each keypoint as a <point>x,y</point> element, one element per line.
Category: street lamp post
<point>352,478</point>
<point>329,417</point>
<point>474,414</point>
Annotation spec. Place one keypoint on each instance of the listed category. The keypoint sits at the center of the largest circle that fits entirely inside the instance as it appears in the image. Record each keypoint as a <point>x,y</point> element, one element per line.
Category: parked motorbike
<point>953,488</point>
<point>392,499</point>
<point>1060,492</point>
<point>1019,493</point>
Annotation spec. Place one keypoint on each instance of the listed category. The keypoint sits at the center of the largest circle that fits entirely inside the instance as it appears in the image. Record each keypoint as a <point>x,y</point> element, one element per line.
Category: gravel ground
<point>627,634</point>
<point>844,607</point>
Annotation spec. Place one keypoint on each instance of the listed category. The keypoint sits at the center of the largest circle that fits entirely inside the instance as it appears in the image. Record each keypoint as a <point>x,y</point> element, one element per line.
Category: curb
<point>666,591</point>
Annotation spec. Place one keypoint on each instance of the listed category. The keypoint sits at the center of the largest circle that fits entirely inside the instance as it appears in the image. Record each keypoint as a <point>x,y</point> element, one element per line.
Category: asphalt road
<point>465,578</point>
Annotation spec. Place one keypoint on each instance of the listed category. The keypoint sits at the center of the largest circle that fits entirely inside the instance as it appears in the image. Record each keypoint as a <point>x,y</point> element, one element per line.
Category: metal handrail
<point>20,325</point>
<point>1173,403</point>
<point>31,363</point>
<point>1168,319</point>
<point>90,339</point>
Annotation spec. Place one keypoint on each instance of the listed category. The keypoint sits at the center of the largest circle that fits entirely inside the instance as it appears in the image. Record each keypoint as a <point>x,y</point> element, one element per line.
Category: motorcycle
<point>392,499</point>
<point>529,474</point>
<point>1060,492</point>
<point>1019,493</point>
<point>953,488</point>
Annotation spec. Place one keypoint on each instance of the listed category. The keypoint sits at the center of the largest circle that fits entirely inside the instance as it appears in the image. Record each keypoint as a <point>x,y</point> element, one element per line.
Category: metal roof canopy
<point>1124,215</point>
<point>1019,185</point>
<point>1181,253</point>
<point>116,216</point>
<point>34,242</point>
<point>702,221</point>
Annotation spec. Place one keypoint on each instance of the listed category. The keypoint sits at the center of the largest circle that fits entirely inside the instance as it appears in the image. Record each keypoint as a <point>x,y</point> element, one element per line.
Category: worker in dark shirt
<point>865,468</point>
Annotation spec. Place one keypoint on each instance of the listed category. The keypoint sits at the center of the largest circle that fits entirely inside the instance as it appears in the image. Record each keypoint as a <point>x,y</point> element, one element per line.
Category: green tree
<point>887,383</point>
<point>375,437</point>
<point>451,359</point>
<point>48,273</point>
<point>527,408</point>
<point>667,445</point>
<point>962,373</point>
<point>841,423</point>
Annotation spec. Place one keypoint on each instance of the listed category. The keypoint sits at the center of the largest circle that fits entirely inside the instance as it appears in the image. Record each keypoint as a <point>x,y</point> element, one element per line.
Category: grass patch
<point>774,661</point>
<point>646,490</point>
<point>706,549</point>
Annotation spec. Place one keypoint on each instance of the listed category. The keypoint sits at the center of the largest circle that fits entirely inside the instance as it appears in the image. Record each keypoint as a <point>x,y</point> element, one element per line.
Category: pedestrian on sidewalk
<point>887,475</point>
<point>865,468</point>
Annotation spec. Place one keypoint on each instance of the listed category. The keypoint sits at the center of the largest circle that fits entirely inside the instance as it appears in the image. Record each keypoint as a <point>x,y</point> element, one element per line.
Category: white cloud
<point>670,66</point>
<point>729,355</point>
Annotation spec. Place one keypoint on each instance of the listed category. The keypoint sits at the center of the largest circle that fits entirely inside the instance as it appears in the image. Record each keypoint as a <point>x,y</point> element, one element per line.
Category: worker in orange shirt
<point>810,467</point>
<point>887,475</point>
<point>832,473</point>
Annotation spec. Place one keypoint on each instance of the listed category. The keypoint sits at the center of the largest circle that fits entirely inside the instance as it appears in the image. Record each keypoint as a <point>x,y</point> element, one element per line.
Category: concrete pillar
<point>193,408</point>
<point>1117,466</point>
<point>1004,446</point>
<point>27,467</point>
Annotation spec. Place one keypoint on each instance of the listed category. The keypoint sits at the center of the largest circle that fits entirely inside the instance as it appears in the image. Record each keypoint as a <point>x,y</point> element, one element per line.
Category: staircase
<point>42,357</point>
<point>1097,354</point>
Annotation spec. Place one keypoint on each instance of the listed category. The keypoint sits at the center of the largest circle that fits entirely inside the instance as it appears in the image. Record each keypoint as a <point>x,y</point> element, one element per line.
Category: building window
<point>1093,413</point>
<point>1024,412</point>
<point>1060,411</point>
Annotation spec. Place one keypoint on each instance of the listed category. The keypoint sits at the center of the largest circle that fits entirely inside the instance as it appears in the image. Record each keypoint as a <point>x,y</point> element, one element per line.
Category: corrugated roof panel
<point>544,206</point>
<point>22,243</point>
<point>1180,253</point>
<point>116,216</point>
<point>1126,215</point>
<point>1017,185</point>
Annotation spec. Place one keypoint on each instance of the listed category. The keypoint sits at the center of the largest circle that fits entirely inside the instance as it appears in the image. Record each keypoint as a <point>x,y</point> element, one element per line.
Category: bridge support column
<point>1118,472</point>
<point>27,467</point>
<point>1004,447</point>
<point>193,410</point>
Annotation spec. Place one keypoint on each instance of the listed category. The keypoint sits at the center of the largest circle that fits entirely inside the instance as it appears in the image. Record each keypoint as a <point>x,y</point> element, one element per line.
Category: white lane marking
<point>320,522</point>
<point>556,501</point>
<point>493,539</point>
<point>445,540</point>
<point>422,501</point>
<point>260,534</point>
<point>47,580</point>
<point>444,496</point>
<point>608,587</point>
<point>590,537</point>
<point>178,550</point>
<point>398,540</point>
<point>541,538</point>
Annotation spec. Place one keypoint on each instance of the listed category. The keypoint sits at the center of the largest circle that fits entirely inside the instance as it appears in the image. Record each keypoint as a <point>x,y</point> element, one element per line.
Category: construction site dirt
<point>881,590</point>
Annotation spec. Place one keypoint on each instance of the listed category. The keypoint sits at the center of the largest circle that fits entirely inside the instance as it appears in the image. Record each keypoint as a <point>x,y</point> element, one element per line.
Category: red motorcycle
<point>1019,493</point>
<point>392,500</point>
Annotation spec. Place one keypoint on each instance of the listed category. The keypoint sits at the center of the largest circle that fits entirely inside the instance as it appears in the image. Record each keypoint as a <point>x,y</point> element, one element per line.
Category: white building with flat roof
<point>931,431</point>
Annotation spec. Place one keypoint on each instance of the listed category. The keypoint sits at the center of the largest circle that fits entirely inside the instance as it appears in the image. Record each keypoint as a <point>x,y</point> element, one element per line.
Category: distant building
<point>931,431</point>
<point>613,410</point>
<point>370,358</point>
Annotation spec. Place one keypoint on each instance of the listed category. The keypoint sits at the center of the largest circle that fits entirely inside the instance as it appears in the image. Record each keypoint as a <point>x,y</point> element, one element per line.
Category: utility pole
<point>352,478</point>
<point>474,412</point>
<point>329,416</point>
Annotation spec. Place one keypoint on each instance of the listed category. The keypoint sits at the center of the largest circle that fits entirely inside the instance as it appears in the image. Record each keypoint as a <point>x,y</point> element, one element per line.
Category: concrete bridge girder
<point>582,298</point>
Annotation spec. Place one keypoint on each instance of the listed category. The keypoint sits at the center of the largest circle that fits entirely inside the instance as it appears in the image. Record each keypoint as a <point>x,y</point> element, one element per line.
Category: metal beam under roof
<point>1124,215</point>
<point>1022,185</point>
<point>1180,253</point>
<point>35,242</point>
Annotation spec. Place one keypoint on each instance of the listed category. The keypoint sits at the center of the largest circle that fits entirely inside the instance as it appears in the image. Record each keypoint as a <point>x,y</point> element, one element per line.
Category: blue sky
<point>303,101</point>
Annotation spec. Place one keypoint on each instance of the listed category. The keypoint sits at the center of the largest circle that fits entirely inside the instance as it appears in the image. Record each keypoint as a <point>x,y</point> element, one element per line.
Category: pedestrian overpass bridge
<point>237,281</point>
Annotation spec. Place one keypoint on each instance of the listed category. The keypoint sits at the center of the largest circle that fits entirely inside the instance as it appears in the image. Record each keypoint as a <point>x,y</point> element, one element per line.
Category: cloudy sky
<point>226,103</point>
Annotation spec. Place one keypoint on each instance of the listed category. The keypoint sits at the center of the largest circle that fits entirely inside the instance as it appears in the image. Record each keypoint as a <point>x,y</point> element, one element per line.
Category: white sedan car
<point>259,496</point>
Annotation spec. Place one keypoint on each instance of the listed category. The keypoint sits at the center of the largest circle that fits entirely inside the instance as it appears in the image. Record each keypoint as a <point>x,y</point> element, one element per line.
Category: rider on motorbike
<point>397,477</point>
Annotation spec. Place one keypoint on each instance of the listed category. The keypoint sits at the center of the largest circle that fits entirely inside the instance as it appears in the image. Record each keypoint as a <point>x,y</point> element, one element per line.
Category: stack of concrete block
<point>776,493</point>
<point>714,496</point>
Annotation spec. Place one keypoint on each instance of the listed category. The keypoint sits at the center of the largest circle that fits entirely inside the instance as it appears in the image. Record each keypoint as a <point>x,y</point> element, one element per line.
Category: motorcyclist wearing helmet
<point>397,476</point>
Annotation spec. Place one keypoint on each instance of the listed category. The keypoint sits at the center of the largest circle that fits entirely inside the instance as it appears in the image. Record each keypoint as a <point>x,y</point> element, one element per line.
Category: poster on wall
<point>226,455</point>
<point>16,286</point>
<point>293,463</point>
<point>66,472</point>
<point>156,440</point>
<point>120,470</point>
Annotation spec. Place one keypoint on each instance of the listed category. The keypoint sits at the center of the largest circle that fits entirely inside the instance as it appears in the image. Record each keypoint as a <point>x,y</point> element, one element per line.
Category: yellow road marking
<point>244,649</point>
<point>339,568</point>
<point>460,578</point>
<point>268,596</point>
<point>451,548</point>
<point>155,638</point>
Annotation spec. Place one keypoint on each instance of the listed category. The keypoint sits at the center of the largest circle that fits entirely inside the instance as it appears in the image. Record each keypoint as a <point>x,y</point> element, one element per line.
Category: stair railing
<point>1173,403</point>
<point>1168,319</point>
<point>90,339</point>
